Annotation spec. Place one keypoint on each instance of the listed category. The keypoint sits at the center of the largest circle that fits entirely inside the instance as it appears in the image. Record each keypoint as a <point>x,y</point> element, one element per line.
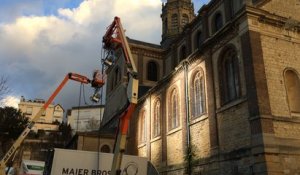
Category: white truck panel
<point>75,162</point>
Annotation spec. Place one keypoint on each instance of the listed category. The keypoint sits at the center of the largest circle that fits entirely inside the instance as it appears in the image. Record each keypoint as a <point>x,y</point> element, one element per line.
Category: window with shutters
<point>29,110</point>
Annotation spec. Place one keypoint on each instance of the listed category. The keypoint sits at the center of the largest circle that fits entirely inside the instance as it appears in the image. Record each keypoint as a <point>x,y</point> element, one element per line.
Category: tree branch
<point>3,87</point>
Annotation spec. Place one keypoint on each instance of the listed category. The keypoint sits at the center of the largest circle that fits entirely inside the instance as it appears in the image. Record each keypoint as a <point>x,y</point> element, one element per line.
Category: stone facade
<point>229,95</point>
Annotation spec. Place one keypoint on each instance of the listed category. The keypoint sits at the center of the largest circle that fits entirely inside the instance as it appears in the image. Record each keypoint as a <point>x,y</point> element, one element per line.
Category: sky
<point>42,40</point>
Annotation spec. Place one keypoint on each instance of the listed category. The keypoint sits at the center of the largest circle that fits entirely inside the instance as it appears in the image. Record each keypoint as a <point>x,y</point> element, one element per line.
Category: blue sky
<point>51,6</point>
<point>42,40</point>
<point>10,9</point>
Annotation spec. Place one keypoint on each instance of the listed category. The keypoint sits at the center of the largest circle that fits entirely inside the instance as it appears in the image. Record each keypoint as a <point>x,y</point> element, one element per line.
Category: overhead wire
<point>102,54</point>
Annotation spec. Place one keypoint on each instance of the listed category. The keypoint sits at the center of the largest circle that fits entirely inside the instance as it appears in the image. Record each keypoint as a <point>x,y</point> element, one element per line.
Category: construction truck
<point>113,40</point>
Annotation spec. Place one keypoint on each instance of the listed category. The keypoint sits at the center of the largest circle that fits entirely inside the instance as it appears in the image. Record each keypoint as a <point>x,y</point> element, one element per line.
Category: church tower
<point>175,15</point>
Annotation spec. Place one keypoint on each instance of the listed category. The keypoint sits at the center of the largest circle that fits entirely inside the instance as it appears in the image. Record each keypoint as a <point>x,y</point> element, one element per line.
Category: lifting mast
<point>112,40</point>
<point>96,83</point>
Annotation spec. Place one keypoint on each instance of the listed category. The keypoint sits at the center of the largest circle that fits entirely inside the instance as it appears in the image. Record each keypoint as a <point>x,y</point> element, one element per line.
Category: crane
<point>96,83</point>
<point>114,39</point>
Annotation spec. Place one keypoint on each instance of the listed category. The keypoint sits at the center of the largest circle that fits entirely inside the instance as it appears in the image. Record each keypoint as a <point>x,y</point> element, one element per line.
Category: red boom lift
<point>97,82</point>
<point>114,39</point>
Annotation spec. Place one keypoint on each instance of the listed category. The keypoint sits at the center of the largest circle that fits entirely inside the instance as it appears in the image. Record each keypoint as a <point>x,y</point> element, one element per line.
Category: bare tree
<point>3,87</point>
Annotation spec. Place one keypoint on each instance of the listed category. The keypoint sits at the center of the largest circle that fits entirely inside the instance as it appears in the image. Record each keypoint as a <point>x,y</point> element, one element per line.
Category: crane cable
<point>83,93</point>
<point>102,54</point>
<point>79,104</point>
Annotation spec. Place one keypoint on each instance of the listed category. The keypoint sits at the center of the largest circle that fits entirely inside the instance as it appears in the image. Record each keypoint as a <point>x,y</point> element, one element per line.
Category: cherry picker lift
<point>113,40</point>
<point>96,83</point>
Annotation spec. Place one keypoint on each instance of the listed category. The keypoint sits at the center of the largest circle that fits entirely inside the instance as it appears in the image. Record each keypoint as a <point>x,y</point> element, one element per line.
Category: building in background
<point>49,120</point>
<point>46,132</point>
<point>85,118</point>
<point>95,141</point>
<point>85,122</point>
<point>224,92</point>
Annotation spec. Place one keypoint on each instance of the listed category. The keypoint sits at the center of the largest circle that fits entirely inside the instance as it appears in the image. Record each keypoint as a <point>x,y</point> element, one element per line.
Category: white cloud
<point>11,101</point>
<point>36,52</point>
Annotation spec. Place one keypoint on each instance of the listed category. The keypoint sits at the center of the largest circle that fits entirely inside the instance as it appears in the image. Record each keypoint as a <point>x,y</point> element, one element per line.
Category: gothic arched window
<point>218,22</point>
<point>174,110</point>
<point>152,71</point>
<point>185,19</point>
<point>229,76</point>
<point>156,119</point>
<point>292,84</point>
<point>198,94</point>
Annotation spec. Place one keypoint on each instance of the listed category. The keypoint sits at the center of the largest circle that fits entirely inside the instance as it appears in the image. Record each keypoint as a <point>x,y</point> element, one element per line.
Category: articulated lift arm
<point>112,40</point>
<point>96,83</point>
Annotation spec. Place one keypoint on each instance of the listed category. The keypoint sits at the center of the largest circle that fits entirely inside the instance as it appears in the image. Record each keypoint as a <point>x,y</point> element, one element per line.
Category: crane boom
<point>113,39</point>
<point>21,138</point>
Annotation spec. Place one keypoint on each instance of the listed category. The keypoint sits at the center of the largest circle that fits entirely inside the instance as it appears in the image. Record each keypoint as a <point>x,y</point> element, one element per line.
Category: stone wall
<point>285,55</point>
<point>280,47</point>
<point>200,138</point>
<point>156,152</point>
<point>234,128</point>
<point>290,164</point>
<point>256,134</point>
<point>286,9</point>
<point>142,151</point>
<point>92,143</point>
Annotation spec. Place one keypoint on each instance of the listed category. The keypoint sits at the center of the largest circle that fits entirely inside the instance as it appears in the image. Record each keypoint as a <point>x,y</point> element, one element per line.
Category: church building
<point>220,95</point>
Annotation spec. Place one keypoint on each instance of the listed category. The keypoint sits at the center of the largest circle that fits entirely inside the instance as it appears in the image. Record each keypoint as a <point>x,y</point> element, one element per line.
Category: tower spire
<point>175,15</point>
